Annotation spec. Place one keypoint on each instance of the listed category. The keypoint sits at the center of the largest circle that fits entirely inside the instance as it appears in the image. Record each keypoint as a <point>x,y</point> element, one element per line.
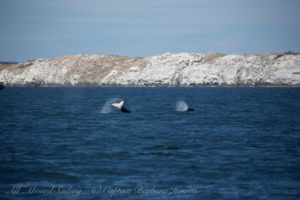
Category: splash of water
<point>181,106</point>
<point>107,107</point>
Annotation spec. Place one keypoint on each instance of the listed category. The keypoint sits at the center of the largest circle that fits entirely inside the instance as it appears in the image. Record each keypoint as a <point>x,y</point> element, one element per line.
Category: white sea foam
<point>181,106</point>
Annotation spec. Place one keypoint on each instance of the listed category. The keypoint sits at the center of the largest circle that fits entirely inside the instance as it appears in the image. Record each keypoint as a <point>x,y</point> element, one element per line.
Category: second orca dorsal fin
<point>118,105</point>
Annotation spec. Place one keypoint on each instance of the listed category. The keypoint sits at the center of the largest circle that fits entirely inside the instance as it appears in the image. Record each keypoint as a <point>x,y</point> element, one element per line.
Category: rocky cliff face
<point>184,69</point>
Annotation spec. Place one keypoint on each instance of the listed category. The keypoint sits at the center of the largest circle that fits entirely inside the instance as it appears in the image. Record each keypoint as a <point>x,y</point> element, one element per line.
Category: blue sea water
<point>69,143</point>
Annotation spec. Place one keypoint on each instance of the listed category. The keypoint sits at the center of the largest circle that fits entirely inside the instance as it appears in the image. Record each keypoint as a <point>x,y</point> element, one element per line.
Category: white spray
<point>107,107</point>
<point>181,106</point>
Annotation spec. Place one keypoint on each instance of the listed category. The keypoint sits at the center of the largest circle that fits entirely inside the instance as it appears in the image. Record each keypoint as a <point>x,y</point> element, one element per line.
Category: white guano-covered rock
<point>183,69</point>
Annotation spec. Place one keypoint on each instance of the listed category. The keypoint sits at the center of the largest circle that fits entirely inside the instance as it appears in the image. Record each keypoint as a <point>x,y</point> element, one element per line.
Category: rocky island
<point>168,69</point>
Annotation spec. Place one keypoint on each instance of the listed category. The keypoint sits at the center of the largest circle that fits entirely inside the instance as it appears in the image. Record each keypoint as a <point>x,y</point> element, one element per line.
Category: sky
<point>32,29</point>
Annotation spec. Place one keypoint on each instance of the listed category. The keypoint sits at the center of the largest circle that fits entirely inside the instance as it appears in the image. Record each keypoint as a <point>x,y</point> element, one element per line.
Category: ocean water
<point>69,143</point>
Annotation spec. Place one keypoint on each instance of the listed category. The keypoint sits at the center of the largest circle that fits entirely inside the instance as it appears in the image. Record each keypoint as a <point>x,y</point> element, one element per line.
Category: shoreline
<point>153,86</point>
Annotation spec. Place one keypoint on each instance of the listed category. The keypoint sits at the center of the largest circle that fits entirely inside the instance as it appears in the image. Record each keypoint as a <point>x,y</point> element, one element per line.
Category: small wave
<point>107,107</point>
<point>181,106</point>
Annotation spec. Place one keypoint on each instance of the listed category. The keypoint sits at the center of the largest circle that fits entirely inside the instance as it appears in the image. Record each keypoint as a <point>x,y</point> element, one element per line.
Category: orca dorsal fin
<point>118,105</point>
